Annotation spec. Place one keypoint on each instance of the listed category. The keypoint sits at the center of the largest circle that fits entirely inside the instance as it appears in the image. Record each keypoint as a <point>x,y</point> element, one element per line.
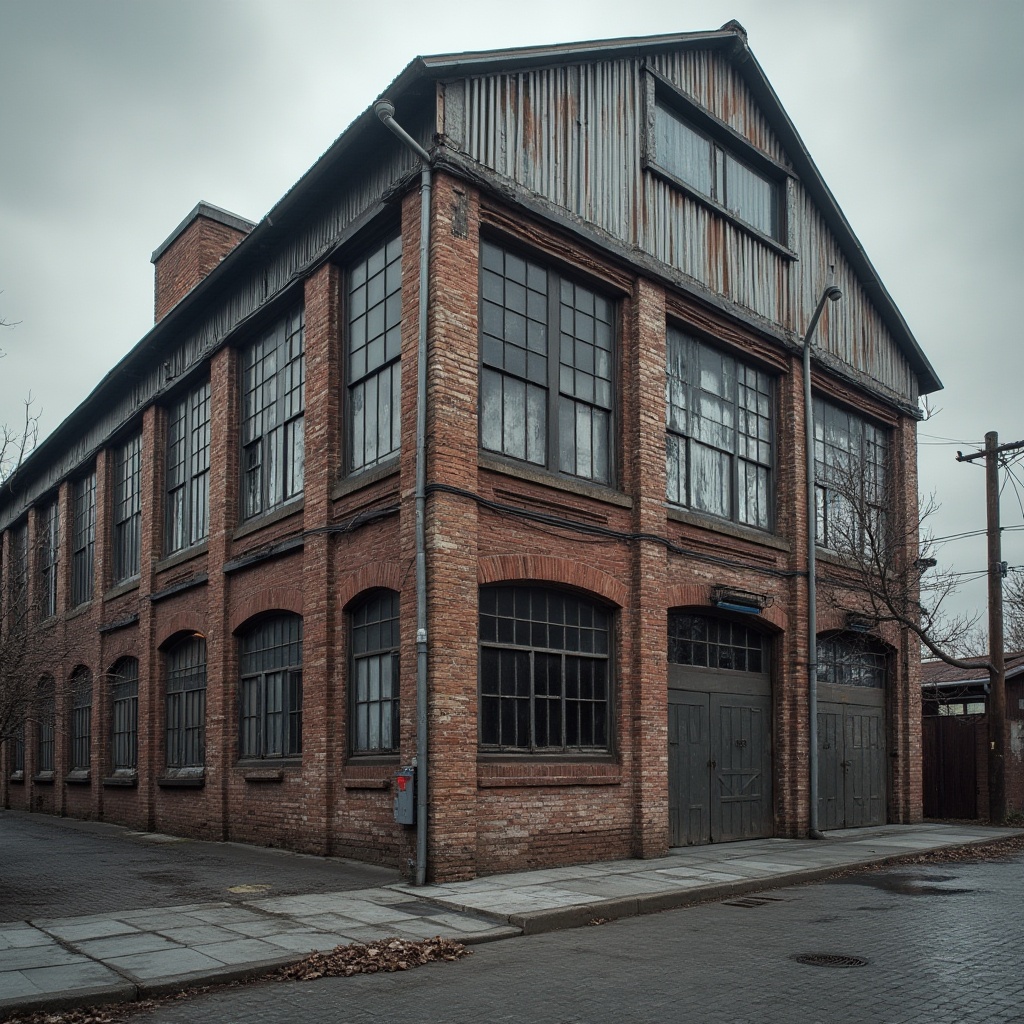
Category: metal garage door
<point>719,724</point>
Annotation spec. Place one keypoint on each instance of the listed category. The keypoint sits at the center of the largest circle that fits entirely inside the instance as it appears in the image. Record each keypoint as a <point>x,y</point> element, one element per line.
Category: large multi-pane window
<point>185,727</point>
<point>18,587</point>
<point>273,423</point>
<point>48,531</point>
<point>127,509</point>
<point>374,371</point>
<point>718,414</point>
<point>188,469</point>
<point>707,642</point>
<point>80,719</point>
<point>83,538</point>
<point>693,158</point>
<point>849,659</point>
<point>270,693</point>
<point>45,726</point>
<point>124,700</point>
<point>374,679</point>
<point>850,480</point>
<point>547,367</point>
<point>544,671</point>
<point>18,749</point>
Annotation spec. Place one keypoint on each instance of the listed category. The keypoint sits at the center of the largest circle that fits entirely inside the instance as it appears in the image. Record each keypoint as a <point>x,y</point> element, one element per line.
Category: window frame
<point>48,554</point>
<point>696,639</point>
<point>46,727</point>
<point>488,742</point>
<point>124,715</point>
<point>384,654</point>
<point>83,539</point>
<point>870,470</point>
<point>260,678</point>
<point>725,143</point>
<point>272,433</point>
<point>740,379</point>
<point>187,476</point>
<point>357,312</point>
<point>126,511</point>
<point>563,386</point>
<point>80,690</point>
<point>185,705</point>
<point>852,654</point>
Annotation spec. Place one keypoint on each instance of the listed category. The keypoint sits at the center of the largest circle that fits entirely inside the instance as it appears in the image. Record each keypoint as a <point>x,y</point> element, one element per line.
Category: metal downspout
<point>831,293</point>
<point>385,110</point>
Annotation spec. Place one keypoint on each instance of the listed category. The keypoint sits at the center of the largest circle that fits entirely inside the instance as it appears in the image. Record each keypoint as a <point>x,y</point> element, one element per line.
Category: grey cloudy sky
<point>117,116</point>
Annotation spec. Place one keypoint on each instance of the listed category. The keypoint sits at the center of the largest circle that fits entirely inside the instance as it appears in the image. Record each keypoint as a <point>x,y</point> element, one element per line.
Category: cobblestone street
<point>942,944</point>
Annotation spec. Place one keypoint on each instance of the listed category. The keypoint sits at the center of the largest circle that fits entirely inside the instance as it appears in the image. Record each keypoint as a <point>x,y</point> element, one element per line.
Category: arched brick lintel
<point>698,595</point>
<point>552,569</point>
<point>175,626</point>
<point>376,575</point>
<point>273,599</point>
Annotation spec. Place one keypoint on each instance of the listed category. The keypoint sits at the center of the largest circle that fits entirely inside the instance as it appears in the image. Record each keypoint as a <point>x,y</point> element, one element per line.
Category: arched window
<point>374,679</point>
<point>186,703</point>
<point>270,692</point>
<point>81,718</point>
<point>707,642</point>
<point>45,726</point>
<point>545,677</point>
<point>124,707</point>
<point>851,659</point>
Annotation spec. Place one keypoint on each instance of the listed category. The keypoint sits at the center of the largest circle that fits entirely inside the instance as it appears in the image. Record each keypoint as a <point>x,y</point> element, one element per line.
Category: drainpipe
<point>830,294</point>
<point>385,110</point>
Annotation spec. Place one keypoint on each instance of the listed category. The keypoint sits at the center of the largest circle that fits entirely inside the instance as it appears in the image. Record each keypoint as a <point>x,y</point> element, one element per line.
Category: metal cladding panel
<point>574,135</point>
<point>852,330</point>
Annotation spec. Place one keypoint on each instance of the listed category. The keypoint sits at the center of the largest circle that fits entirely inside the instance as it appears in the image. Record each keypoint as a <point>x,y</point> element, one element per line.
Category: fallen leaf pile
<point>997,849</point>
<point>384,955</point>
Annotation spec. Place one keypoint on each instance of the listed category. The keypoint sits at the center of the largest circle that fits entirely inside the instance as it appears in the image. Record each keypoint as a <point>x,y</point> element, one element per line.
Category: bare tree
<point>1013,612</point>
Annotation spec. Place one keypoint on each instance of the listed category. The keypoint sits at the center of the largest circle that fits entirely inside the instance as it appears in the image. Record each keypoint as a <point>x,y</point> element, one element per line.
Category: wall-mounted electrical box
<point>405,795</point>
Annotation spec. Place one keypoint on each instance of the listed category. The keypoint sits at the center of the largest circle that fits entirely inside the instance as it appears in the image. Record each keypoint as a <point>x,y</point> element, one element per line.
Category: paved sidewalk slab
<point>58,961</point>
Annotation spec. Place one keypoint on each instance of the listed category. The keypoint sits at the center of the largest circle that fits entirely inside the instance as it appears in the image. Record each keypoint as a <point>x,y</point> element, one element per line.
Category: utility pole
<point>997,669</point>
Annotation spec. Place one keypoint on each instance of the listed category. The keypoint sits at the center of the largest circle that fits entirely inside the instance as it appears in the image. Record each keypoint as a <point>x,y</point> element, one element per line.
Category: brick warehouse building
<point>218,549</point>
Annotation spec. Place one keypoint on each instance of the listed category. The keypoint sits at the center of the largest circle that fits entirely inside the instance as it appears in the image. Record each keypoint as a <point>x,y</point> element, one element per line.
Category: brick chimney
<point>192,250</point>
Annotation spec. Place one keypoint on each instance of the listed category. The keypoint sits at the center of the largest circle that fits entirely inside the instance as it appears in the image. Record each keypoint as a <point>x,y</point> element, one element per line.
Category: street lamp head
<point>833,293</point>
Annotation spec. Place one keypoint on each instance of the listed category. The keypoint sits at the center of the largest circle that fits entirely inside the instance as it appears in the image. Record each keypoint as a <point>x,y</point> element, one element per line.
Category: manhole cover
<point>249,888</point>
<point>829,960</point>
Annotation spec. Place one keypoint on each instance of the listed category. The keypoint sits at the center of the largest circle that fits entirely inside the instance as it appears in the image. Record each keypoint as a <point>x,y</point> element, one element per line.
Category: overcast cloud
<point>116,117</point>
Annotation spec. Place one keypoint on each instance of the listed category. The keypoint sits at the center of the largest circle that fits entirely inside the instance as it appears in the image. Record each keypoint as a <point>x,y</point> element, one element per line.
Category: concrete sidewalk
<point>67,961</point>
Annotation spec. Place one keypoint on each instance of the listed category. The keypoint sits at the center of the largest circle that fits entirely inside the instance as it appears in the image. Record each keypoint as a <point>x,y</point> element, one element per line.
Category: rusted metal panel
<point>575,135</point>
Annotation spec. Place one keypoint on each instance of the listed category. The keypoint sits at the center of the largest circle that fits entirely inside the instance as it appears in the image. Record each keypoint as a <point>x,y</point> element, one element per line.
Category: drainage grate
<point>829,960</point>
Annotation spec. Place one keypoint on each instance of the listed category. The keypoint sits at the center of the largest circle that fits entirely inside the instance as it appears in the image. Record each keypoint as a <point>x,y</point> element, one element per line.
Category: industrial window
<point>544,671</point>
<point>127,536</point>
<point>546,377</point>
<point>692,157</point>
<point>847,659</point>
<point>273,424</point>
<point>18,584</point>
<point>707,642</point>
<point>45,726</point>
<point>48,529</point>
<point>374,372</point>
<point>188,469</point>
<point>374,680</point>
<point>124,700</point>
<point>18,749</point>
<point>81,718</point>
<point>850,480</point>
<point>718,414</point>
<point>270,694</point>
<point>186,703</point>
<point>83,538</point>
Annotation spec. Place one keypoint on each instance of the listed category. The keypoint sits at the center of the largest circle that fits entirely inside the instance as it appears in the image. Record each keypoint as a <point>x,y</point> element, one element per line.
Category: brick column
<point>451,524</point>
<point>644,677</point>
<point>323,743</point>
<point>221,656</point>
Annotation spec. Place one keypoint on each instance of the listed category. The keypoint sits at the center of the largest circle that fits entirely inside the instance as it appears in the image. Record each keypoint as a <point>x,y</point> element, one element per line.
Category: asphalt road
<point>92,868</point>
<point>941,945</point>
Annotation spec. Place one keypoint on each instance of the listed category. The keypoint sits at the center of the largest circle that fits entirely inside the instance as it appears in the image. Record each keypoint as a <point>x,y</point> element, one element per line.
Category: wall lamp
<point>859,623</point>
<point>742,601</point>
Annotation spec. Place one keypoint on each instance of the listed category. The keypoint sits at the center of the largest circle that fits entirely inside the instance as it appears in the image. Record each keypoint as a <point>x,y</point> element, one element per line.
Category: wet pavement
<point>241,910</point>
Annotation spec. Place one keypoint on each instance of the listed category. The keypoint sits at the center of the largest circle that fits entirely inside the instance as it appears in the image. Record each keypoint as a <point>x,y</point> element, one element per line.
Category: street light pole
<point>830,294</point>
